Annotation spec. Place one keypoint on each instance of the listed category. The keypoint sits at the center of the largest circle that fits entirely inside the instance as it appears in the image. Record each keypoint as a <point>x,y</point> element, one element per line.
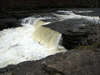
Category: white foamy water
<point>18,44</point>
<point>72,15</point>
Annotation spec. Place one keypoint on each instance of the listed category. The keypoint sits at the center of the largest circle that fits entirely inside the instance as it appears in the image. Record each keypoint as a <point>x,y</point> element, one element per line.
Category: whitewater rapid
<point>17,44</point>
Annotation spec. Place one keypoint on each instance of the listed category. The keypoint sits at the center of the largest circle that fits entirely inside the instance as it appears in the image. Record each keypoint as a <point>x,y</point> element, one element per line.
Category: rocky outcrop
<point>74,62</point>
<point>76,30</point>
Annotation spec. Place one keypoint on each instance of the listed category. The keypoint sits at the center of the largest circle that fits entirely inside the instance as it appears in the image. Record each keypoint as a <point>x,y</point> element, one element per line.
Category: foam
<point>22,43</point>
<point>72,15</point>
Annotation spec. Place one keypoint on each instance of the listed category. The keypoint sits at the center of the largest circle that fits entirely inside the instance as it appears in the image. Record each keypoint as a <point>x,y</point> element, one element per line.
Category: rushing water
<point>32,41</point>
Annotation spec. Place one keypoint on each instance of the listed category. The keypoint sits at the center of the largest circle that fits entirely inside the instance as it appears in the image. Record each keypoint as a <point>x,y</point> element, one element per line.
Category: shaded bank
<point>37,4</point>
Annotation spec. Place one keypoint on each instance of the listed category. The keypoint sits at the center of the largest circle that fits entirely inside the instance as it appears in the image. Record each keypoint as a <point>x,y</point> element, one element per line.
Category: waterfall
<point>34,41</point>
<point>29,42</point>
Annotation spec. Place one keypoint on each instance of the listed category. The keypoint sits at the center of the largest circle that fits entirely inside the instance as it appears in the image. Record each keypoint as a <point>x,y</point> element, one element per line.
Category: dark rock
<point>74,34</point>
<point>74,62</point>
<point>75,39</point>
<point>9,23</point>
